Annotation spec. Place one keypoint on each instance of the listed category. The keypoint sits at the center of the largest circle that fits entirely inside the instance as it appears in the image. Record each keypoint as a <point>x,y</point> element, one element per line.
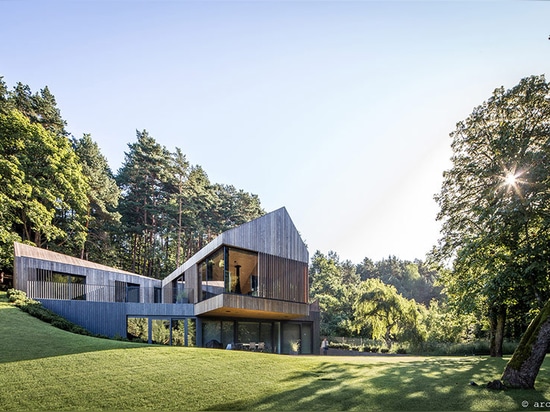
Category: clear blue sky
<point>338,110</point>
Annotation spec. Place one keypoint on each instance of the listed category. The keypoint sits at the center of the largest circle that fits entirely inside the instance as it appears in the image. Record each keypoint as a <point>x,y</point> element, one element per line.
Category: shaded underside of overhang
<point>242,306</point>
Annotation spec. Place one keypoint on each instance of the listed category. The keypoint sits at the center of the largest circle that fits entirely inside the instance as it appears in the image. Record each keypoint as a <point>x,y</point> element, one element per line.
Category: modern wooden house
<point>248,288</point>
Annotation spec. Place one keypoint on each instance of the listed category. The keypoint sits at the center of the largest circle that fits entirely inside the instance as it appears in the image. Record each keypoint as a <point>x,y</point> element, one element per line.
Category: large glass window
<point>212,271</point>
<point>178,332</point>
<point>138,329</point>
<point>248,332</point>
<point>161,331</point>
<point>228,333</point>
<point>230,270</point>
<point>243,272</point>
<point>67,286</point>
<point>266,336</point>
<point>191,332</point>
<point>291,338</point>
<point>179,293</point>
<point>212,334</point>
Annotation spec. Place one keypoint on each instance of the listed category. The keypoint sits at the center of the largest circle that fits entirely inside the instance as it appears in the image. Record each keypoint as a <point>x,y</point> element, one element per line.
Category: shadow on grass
<point>23,337</point>
<point>430,384</point>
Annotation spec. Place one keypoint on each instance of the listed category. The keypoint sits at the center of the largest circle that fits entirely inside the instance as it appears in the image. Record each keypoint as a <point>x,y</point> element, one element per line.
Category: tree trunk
<point>522,370</point>
<point>498,321</point>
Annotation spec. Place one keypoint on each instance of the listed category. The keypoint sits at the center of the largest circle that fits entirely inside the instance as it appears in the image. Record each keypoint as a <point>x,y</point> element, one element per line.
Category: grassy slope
<point>43,368</point>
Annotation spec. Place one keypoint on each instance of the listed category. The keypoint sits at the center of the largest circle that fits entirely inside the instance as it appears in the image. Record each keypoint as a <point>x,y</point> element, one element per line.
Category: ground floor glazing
<point>289,337</point>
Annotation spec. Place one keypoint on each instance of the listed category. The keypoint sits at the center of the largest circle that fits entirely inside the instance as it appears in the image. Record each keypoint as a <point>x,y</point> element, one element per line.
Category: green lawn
<point>44,368</point>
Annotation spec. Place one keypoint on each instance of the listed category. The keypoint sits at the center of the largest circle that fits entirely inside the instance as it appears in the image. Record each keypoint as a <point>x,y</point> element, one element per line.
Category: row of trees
<point>493,256</point>
<point>58,192</point>
<point>391,300</point>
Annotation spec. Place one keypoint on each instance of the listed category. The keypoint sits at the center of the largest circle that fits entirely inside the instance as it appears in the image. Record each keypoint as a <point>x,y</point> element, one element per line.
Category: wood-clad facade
<point>250,282</point>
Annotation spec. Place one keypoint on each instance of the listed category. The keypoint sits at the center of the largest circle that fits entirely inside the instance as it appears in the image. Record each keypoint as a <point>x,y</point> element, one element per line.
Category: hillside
<point>44,368</point>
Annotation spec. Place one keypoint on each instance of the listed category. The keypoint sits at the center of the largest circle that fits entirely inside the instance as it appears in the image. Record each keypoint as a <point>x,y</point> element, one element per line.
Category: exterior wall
<point>109,318</point>
<point>282,284</point>
<point>100,280</point>
<point>273,234</point>
<point>281,278</point>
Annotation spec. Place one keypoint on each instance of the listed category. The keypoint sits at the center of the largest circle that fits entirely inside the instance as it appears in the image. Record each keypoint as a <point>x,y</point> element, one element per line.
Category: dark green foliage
<point>61,195</point>
<point>103,196</point>
<point>35,308</point>
<point>495,207</point>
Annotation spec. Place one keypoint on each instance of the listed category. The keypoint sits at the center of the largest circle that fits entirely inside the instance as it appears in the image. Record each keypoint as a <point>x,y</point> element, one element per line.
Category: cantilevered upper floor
<point>261,267</point>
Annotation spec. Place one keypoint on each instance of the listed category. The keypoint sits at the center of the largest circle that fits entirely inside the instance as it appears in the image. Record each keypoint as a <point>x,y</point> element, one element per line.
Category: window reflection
<point>230,270</point>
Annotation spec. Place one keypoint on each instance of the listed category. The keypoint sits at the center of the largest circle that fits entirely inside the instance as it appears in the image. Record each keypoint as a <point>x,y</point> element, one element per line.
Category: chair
<point>252,346</point>
<point>261,346</point>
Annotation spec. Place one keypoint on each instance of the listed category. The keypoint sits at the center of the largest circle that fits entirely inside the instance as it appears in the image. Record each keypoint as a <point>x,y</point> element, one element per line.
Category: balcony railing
<point>107,293</point>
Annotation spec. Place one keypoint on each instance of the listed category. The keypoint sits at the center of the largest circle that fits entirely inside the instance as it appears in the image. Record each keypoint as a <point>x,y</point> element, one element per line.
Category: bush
<point>35,308</point>
<point>15,295</point>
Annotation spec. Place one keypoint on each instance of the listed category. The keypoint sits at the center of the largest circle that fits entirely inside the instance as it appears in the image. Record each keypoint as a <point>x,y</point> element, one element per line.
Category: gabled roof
<point>23,250</point>
<point>273,234</point>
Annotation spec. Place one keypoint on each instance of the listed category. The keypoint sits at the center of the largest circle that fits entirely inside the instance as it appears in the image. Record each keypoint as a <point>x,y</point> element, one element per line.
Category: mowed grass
<point>44,368</point>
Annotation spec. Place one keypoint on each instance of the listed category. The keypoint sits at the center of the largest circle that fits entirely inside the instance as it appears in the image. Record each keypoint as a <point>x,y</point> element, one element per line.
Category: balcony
<point>243,306</point>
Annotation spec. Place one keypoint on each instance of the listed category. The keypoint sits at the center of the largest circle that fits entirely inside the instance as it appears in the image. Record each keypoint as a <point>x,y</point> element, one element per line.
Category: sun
<point>511,179</point>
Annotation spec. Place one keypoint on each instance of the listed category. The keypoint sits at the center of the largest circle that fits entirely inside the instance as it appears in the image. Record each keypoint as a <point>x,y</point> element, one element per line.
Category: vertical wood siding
<point>281,278</point>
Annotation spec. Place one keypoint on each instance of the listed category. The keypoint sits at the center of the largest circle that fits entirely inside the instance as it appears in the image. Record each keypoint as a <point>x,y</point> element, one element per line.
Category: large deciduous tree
<point>495,206</point>
<point>43,188</point>
<point>386,313</point>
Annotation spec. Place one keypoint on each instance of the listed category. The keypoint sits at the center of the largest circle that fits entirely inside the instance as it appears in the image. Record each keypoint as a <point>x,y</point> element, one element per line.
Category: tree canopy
<point>58,192</point>
<point>494,205</point>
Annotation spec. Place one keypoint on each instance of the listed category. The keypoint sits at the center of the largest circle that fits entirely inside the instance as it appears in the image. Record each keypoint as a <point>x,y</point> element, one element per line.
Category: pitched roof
<point>23,250</point>
<point>273,233</point>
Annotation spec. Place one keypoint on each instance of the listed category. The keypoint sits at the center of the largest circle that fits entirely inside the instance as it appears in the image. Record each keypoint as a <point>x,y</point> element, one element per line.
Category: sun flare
<point>510,179</point>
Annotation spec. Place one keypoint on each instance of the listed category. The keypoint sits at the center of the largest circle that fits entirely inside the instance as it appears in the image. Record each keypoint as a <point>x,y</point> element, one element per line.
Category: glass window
<point>157,295</point>
<point>228,333</point>
<point>231,271</point>
<point>180,294</point>
<point>291,338</point>
<point>178,332</point>
<point>307,342</point>
<point>212,333</point>
<point>160,331</point>
<point>243,272</point>
<point>212,271</point>
<point>137,329</point>
<point>191,332</point>
<point>248,332</point>
<point>132,292</point>
<point>266,336</point>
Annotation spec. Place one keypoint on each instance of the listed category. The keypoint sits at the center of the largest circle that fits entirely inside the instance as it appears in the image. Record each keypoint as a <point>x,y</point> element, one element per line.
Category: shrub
<point>35,308</point>
<point>15,295</point>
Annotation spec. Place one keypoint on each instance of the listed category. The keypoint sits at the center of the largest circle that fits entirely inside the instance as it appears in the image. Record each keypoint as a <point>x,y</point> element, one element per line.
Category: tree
<point>329,284</point>
<point>495,205</point>
<point>103,196</point>
<point>388,314</point>
<point>143,180</point>
<point>180,173</point>
<point>39,108</point>
<point>43,191</point>
<point>523,368</point>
